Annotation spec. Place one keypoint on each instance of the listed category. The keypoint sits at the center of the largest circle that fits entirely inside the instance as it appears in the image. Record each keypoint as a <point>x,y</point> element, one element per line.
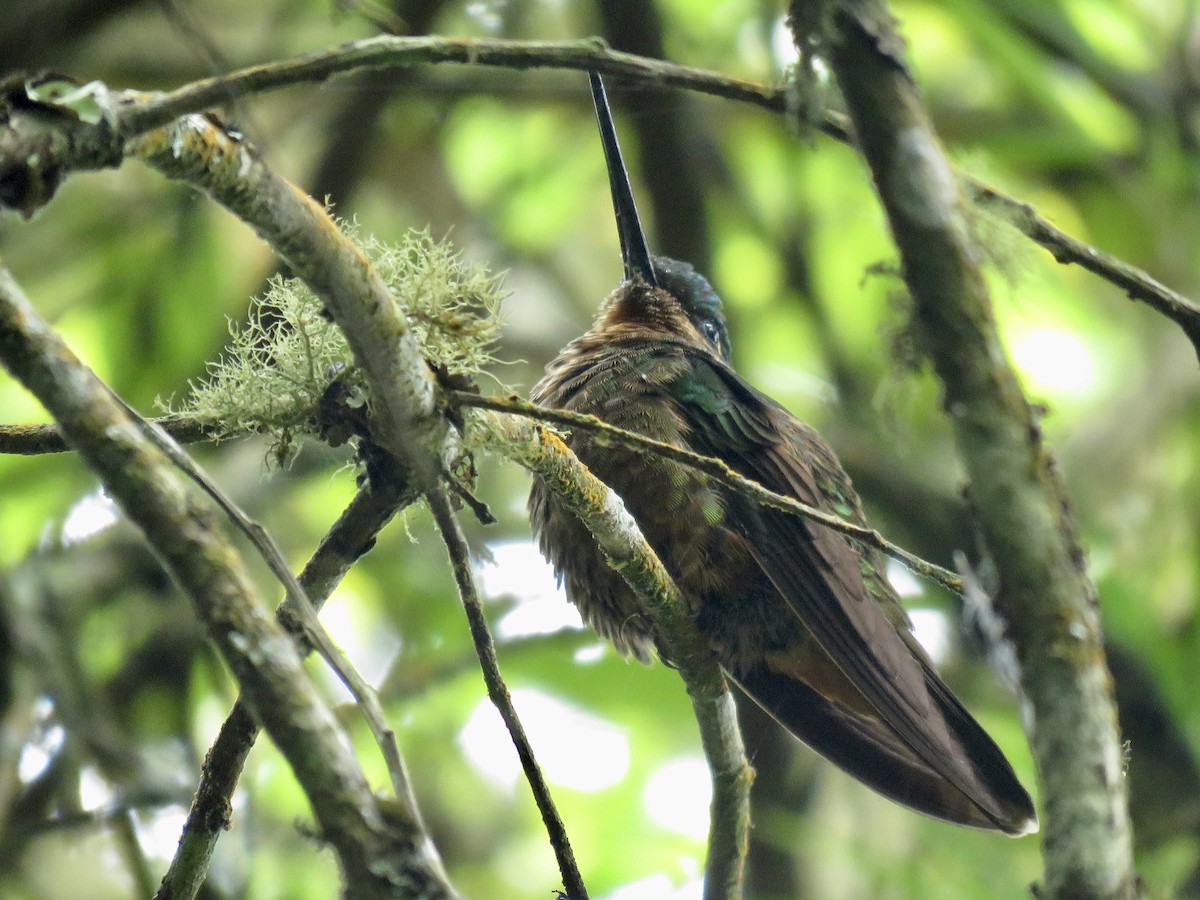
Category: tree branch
<point>604,515</point>
<point>715,469</point>
<point>1046,598</point>
<point>301,611</point>
<point>34,155</point>
<point>36,440</point>
<point>351,536</point>
<point>1136,284</point>
<point>405,420</point>
<point>485,649</point>
<point>378,859</point>
<point>385,52</point>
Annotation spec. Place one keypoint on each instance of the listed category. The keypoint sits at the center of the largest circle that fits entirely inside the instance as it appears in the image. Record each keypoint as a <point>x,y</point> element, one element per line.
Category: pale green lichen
<point>279,364</point>
<point>995,236</point>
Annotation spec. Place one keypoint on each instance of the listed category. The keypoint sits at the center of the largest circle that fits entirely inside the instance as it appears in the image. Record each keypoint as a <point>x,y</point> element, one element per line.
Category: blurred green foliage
<point>1087,109</point>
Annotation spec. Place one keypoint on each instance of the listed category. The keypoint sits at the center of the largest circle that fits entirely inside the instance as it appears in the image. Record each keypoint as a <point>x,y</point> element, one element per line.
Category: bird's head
<point>700,302</point>
<point>691,290</point>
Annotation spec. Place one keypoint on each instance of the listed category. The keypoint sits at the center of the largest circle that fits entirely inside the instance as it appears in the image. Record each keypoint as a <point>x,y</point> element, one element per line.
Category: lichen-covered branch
<point>1045,596</point>
<point>405,420</point>
<point>617,535</point>
<point>378,857</point>
<point>716,469</point>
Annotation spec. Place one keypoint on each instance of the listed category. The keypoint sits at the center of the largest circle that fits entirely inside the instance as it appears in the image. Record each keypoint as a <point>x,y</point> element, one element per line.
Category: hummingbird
<point>801,617</point>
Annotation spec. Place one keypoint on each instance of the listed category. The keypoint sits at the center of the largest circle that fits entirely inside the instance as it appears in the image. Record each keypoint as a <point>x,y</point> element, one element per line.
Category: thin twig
<point>125,831</point>
<point>346,541</point>
<point>314,632</point>
<point>31,439</point>
<point>393,52</point>
<point>715,469</point>
<point>136,113</point>
<point>1136,284</point>
<point>37,440</point>
<point>147,800</point>
<point>485,648</point>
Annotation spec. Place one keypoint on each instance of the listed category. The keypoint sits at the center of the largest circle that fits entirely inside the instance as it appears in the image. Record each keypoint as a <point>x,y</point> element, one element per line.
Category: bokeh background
<point>1086,109</point>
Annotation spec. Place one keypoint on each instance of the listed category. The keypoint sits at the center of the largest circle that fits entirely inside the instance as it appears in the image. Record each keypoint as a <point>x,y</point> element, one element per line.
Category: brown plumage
<point>803,619</point>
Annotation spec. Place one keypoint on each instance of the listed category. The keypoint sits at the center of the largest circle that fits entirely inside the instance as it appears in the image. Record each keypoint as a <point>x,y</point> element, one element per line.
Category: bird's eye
<point>711,332</point>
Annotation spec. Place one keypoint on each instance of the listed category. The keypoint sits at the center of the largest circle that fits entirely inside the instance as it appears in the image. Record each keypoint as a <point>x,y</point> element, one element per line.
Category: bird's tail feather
<point>872,753</point>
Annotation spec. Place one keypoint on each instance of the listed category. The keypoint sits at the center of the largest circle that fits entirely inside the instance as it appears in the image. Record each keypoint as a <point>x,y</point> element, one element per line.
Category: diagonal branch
<point>1046,599</point>
<point>485,649</point>
<point>1136,284</point>
<point>617,535</point>
<point>405,420</point>
<point>352,535</point>
<point>303,612</point>
<point>716,469</point>
<point>34,439</point>
<point>377,858</point>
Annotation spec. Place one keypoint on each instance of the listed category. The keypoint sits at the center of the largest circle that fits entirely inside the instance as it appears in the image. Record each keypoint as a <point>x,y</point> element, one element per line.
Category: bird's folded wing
<point>818,573</point>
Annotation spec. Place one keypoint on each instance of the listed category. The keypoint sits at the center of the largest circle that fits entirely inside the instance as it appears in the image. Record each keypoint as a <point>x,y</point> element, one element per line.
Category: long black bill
<point>634,251</point>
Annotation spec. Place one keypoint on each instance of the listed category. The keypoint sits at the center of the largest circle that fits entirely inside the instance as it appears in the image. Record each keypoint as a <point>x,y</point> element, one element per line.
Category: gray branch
<point>35,154</point>
<point>1046,599</point>
<point>378,859</point>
